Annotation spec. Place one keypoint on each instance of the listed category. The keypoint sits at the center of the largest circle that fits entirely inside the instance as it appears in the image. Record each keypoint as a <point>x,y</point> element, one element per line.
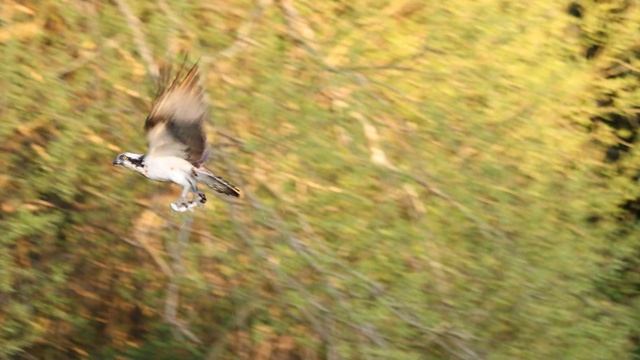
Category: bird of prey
<point>177,142</point>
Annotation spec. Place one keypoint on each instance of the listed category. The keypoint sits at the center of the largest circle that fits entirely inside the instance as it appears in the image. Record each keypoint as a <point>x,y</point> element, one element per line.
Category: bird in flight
<point>177,142</point>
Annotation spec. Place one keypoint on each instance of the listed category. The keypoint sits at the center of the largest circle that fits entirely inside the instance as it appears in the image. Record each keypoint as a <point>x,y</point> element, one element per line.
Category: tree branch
<point>138,37</point>
<point>173,290</point>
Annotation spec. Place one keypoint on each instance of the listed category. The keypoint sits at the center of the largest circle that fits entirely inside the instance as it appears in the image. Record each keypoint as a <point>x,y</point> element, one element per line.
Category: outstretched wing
<point>174,125</point>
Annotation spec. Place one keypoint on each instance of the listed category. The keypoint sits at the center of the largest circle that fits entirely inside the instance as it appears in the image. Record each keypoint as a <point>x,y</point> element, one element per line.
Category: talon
<point>182,205</point>
<point>179,206</point>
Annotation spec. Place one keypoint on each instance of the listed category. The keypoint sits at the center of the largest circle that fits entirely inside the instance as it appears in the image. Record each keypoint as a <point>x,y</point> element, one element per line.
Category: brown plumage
<point>175,123</point>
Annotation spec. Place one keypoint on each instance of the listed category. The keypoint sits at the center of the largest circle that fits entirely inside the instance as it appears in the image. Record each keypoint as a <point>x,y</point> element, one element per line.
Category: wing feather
<point>174,125</point>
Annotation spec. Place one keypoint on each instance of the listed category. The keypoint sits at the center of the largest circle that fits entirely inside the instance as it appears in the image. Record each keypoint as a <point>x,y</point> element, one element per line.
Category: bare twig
<point>441,337</point>
<point>173,17</point>
<point>173,296</point>
<point>79,63</point>
<point>377,156</point>
<point>159,261</point>
<point>319,323</point>
<point>243,34</point>
<point>488,231</point>
<point>162,265</point>
<point>395,64</point>
<point>301,32</point>
<point>138,37</point>
<point>240,319</point>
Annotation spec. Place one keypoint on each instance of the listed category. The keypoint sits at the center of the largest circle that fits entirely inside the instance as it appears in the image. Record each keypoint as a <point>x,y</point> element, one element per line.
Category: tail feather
<point>216,183</point>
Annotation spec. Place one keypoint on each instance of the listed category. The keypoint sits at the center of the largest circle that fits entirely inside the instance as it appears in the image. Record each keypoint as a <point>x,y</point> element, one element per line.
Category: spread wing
<point>174,125</point>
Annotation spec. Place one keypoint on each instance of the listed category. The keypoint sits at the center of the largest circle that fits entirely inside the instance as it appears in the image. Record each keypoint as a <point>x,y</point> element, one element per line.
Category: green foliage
<point>421,180</point>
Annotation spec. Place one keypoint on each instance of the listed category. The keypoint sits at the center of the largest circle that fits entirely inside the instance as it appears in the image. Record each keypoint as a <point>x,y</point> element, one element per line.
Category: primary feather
<point>174,125</point>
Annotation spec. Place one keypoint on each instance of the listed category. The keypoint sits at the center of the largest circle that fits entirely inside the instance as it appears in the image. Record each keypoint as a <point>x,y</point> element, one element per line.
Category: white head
<point>130,161</point>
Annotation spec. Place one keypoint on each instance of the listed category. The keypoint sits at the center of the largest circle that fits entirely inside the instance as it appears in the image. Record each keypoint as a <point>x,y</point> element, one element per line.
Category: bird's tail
<point>215,182</point>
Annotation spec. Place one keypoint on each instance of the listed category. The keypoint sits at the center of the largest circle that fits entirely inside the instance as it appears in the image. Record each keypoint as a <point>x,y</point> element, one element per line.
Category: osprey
<point>177,142</point>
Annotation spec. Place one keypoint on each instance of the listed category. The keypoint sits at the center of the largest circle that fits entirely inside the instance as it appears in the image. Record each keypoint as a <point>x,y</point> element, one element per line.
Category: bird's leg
<point>201,197</point>
<point>182,204</point>
<point>198,199</point>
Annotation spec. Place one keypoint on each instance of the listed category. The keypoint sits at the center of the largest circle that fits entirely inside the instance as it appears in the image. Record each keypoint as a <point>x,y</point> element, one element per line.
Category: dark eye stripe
<point>137,162</point>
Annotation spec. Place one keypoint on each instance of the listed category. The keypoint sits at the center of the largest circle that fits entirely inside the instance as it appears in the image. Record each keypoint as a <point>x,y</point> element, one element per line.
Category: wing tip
<point>236,193</point>
<point>217,183</point>
<point>231,190</point>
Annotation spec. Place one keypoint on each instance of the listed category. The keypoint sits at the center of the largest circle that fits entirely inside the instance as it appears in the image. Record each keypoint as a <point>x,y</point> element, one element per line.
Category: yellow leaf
<point>244,259</point>
<point>40,151</point>
<point>418,206</point>
<point>113,147</point>
<point>127,91</point>
<point>24,9</point>
<point>7,207</point>
<point>403,9</point>
<point>35,75</point>
<point>19,31</point>
<point>274,260</point>
<point>95,139</point>
<point>88,44</point>
<point>4,180</point>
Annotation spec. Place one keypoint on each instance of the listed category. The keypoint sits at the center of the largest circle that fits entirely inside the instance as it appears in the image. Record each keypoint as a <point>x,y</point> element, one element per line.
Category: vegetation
<point>422,180</point>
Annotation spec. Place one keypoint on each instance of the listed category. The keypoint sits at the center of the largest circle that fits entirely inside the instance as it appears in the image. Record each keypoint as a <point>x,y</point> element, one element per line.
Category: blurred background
<point>422,180</point>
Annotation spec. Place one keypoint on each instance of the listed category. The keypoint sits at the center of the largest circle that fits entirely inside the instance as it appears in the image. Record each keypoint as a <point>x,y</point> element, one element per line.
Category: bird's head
<point>130,160</point>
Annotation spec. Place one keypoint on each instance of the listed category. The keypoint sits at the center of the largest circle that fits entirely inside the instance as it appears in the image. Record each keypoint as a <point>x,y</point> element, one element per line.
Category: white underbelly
<point>169,169</point>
